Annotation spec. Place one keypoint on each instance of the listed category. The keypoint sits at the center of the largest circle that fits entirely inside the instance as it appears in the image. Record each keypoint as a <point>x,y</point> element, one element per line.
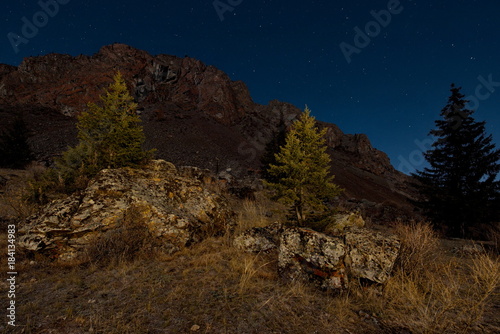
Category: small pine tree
<point>110,135</point>
<point>302,169</point>
<point>459,189</point>
<point>14,149</point>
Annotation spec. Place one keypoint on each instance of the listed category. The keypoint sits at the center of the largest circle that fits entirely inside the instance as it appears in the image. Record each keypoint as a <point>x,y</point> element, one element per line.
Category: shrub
<point>125,243</point>
<point>419,244</point>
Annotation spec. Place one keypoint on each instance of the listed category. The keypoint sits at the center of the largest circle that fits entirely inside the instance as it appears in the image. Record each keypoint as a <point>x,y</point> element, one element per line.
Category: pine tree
<point>459,188</point>
<point>14,149</point>
<point>110,134</point>
<point>302,169</point>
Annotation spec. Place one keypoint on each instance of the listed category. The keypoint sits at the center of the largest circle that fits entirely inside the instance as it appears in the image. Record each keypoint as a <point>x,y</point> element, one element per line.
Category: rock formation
<point>327,261</point>
<point>309,256</point>
<point>342,221</point>
<point>192,113</point>
<point>175,209</point>
<point>260,239</point>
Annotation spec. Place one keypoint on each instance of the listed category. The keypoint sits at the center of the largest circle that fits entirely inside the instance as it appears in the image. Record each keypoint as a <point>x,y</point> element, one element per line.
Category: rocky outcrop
<point>370,255</point>
<point>327,261</point>
<point>6,69</point>
<point>342,221</point>
<point>193,114</point>
<point>68,83</point>
<point>309,256</point>
<point>260,239</point>
<point>176,211</point>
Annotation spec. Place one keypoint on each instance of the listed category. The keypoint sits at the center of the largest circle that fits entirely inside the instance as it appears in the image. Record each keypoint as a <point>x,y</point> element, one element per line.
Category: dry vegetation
<point>13,203</point>
<point>212,287</point>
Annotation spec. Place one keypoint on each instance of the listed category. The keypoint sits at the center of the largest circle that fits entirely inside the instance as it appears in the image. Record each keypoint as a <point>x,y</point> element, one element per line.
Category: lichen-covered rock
<point>328,261</point>
<point>342,221</point>
<point>310,256</point>
<point>260,239</point>
<point>370,255</point>
<point>177,210</point>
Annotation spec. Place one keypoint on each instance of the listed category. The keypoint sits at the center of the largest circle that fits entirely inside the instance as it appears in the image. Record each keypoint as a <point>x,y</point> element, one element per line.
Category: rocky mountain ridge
<point>192,113</point>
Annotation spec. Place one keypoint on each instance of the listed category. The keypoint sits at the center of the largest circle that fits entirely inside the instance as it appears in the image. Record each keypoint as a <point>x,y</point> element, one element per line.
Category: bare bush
<point>419,244</point>
<point>125,243</point>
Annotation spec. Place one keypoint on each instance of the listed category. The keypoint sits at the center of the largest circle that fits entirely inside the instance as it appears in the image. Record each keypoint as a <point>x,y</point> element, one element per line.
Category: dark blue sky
<point>392,87</point>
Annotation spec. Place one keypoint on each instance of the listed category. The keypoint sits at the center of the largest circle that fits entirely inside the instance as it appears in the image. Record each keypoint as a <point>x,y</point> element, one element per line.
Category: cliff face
<point>192,113</point>
<point>68,83</point>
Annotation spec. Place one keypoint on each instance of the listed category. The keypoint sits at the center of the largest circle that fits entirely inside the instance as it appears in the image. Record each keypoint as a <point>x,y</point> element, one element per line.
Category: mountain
<point>192,113</point>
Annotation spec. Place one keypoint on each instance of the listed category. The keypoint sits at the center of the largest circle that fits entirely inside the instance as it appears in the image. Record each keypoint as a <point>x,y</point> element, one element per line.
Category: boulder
<point>370,254</point>
<point>309,256</point>
<point>343,221</point>
<point>176,211</point>
<point>328,261</point>
<point>260,239</point>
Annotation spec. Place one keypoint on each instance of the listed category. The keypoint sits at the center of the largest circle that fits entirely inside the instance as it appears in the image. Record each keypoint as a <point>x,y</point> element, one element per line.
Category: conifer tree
<point>460,189</point>
<point>110,134</point>
<point>302,169</point>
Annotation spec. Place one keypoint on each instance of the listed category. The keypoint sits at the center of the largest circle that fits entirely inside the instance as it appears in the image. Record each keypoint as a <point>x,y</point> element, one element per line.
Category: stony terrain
<point>167,249</point>
<point>254,277</point>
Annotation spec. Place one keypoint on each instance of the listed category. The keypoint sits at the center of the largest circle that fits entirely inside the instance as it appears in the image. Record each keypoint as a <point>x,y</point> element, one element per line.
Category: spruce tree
<point>460,189</point>
<point>110,134</point>
<point>302,169</point>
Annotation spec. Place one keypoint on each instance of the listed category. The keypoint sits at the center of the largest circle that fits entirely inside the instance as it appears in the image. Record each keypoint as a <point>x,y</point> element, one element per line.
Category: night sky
<point>390,83</point>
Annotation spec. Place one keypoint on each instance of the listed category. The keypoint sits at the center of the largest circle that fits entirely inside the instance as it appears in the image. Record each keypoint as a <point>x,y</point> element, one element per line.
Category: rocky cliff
<point>192,113</point>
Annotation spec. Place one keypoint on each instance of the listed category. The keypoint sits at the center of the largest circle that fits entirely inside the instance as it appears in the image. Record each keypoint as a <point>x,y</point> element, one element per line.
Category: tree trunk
<point>297,213</point>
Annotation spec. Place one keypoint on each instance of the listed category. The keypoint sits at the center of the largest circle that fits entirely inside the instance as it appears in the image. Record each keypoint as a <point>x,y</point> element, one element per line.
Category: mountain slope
<point>192,113</point>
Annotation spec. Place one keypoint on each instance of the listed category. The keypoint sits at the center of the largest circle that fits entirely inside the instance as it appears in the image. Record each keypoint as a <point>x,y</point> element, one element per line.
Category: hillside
<point>167,248</point>
<point>192,113</point>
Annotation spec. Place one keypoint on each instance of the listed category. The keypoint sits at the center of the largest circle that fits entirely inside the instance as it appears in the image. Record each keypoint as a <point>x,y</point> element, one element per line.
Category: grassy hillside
<point>212,287</point>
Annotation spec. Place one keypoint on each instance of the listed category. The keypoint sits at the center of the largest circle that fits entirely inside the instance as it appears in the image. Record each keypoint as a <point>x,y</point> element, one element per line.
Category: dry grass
<point>257,213</point>
<point>445,299</point>
<point>128,242</point>
<point>419,245</point>
<point>13,202</point>
<point>212,287</point>
<point>434,292</point>
<point>15,207</point>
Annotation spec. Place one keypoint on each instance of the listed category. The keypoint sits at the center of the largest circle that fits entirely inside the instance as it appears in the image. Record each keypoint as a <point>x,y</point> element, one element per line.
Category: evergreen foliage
<point>460,189</point>
<point>110,135</point>
<point>14,149</point>
<point>302,169</point>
